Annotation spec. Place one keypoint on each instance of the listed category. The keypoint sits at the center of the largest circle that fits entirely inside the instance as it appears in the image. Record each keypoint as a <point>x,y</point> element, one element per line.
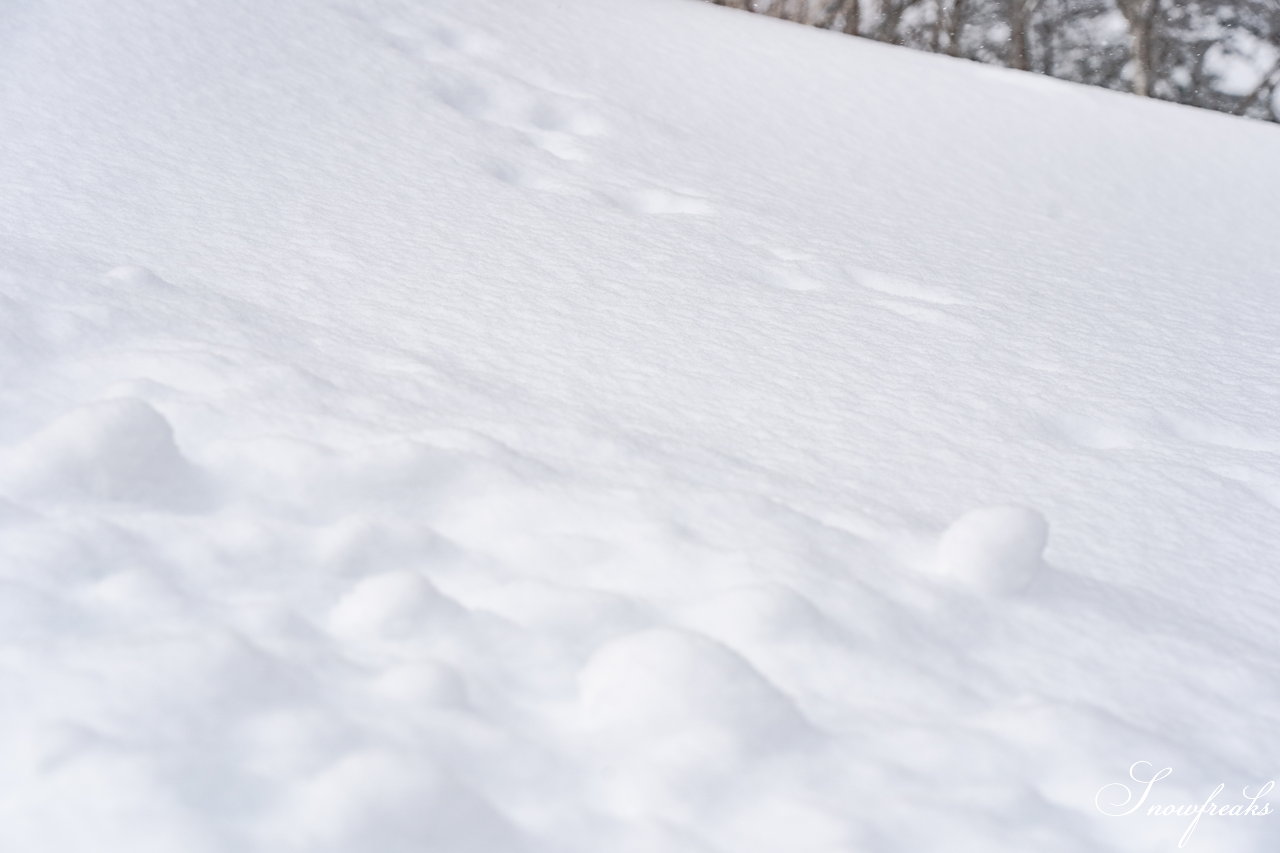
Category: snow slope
<point>620,425</point>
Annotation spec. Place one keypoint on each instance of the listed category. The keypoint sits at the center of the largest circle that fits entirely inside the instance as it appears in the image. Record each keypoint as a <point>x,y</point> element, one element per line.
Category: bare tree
<point>850,9</point>
<point>790,10</point>
<point>890,28</point>
<point>1020,27</point>
<point>953,24</point>
<point>1141,16</point>
<point>1189,51</point>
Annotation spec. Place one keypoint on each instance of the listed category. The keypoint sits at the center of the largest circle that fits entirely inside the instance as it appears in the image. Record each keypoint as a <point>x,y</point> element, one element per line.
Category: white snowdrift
<point>620,425</point>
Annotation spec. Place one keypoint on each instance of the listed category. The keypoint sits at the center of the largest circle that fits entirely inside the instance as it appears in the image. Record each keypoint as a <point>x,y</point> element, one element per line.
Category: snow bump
<point>115,450</point>
<point>664,682</point>
<point>390,605</point>
<point>138,278</point>
<point>995,549</point>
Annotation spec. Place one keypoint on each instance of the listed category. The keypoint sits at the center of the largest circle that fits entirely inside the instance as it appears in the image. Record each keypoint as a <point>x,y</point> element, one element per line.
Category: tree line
<point>1219,54</point>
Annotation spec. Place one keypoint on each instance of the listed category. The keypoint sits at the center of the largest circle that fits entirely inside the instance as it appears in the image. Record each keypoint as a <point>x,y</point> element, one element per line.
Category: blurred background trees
<point>1219,54</point>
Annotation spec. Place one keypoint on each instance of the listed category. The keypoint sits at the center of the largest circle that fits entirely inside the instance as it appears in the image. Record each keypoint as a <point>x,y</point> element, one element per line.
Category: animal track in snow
<point>501,102</point>
<point>661,202</point>
<point>455,38</point>
<point>920,302</point>
<point>926,314</point>
<point>902,288</point>
<point>434,39</point>
<point>549,122</point>
<point>792,269</point>
<point>466,74</point>
<point>558,117</point>
<point>518,175</point>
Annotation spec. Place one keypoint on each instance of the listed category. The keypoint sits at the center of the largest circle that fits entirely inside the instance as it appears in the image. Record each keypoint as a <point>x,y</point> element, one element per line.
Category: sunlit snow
<point>571,426</point>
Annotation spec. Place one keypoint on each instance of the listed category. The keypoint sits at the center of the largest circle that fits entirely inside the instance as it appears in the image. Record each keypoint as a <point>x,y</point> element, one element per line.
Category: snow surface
<point>620,425</point>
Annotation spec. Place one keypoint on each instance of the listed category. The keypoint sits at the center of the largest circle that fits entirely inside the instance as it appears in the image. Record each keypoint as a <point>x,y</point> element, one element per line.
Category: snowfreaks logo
<point>1119,799</point>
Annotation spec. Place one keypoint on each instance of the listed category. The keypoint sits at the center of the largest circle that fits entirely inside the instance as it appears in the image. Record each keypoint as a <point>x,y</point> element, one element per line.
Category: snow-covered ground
<point>566,426</point>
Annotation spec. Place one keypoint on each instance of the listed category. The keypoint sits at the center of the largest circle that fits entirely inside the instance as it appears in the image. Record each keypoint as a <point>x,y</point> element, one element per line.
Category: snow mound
<point>391,605</point>
<point>137,278</point>
<point>560,391</point>
<point>394,803</point>
<point>665,682</point>
<point>995,549</point>
<point>115,450</point>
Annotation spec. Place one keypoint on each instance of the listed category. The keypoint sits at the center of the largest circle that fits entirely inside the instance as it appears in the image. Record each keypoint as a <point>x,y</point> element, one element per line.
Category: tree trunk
<point>1141,60</point>
<point>1020,12</point>
<point>955,28</point>
<point>832,14</point>
<point>791,10</point>
<point>853,17</point>
<point>1141,16</point>
<point>891,24</point>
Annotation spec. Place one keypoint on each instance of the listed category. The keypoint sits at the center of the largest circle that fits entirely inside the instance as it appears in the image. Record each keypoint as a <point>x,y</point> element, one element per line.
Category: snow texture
<point>629,425</point>
<point>994,548</point>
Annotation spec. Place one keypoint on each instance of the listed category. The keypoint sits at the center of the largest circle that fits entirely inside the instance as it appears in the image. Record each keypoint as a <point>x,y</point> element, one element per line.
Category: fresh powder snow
<point>568,426</point>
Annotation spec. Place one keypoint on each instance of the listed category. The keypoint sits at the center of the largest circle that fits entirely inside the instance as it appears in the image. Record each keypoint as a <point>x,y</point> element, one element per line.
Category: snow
<point>634,425</point>
<point>116,449</point>
<point>995,548</point>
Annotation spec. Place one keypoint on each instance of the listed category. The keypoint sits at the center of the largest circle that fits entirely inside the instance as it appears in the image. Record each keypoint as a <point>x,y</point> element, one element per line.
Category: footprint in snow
<point>455,38</point>
<point>557,126</point>
<point>654,201</point>
<point>792,269</point>
<point>559,117</point>
<point>528,177</point>
<point>434,39</point>
<point>913,300</point>
<point>925,314</point>
<point>902,288</point>
<point>464,78</point>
